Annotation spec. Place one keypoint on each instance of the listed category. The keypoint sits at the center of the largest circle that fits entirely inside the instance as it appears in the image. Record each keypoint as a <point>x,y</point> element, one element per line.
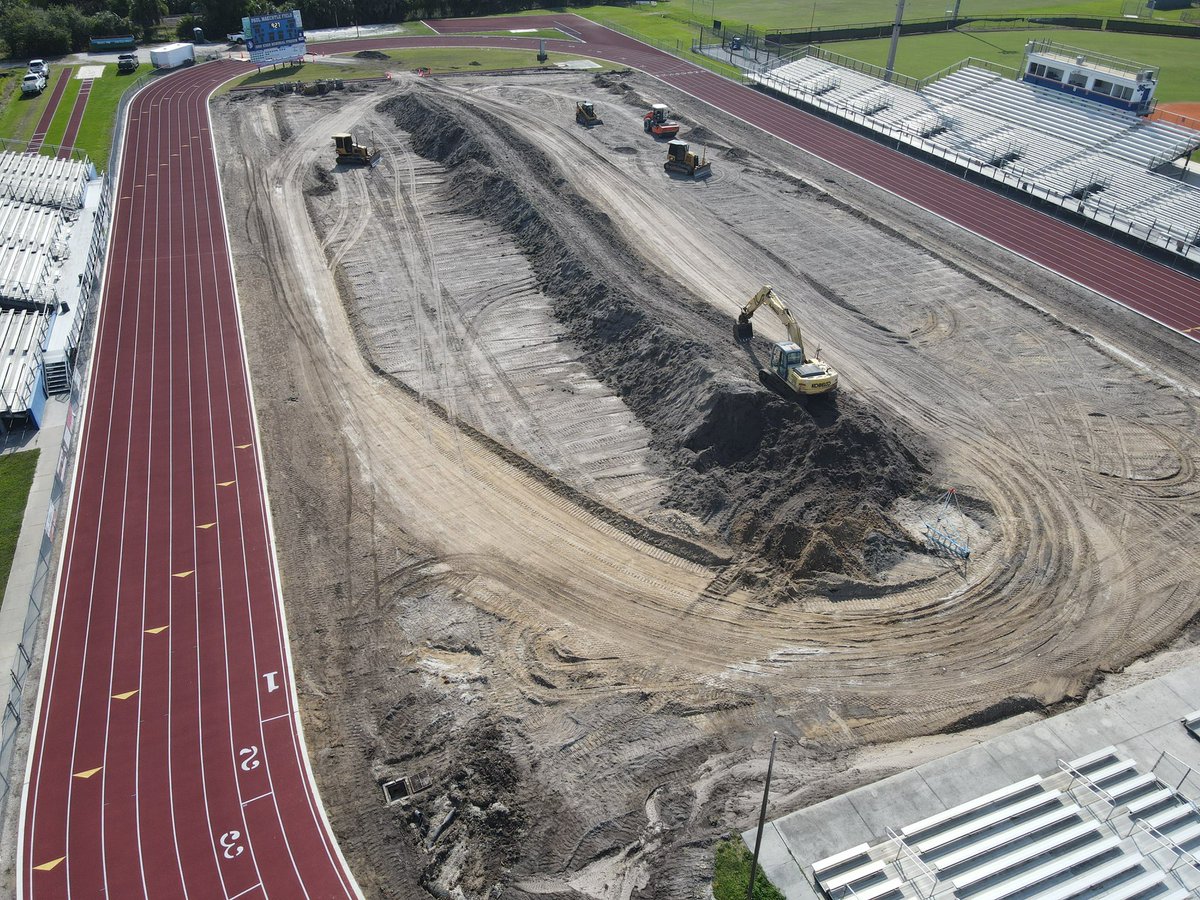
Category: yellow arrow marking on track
<point>159,630</point>
<point>225,483</point>
<point>183,574</point>
<point>242,446</point>
<point>206,526</point>
<point>88,773</point>
<point>49,866</point>
<point>124,696</point>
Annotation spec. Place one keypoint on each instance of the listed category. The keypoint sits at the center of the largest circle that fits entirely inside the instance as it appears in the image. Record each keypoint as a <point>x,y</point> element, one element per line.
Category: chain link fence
<point>81,340</point>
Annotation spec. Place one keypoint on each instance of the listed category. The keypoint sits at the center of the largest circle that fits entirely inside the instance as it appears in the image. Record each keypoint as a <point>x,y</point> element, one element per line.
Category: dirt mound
<point>807,486</point>
<point>370,54</point>
<point>321,183</point>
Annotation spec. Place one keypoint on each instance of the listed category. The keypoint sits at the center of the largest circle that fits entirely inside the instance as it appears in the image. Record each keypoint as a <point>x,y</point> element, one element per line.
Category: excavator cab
<point>784,356</point>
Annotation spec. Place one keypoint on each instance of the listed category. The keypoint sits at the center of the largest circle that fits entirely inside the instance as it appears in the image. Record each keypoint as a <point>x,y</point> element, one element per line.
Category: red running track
<point>43,126</point>
<point>77,111</point>
<point>167,759</point>
<point>1155,290</point>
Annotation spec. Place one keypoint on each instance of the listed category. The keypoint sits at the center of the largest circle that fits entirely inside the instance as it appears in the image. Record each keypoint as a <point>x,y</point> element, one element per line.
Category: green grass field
<point>921,55</point>
<point>19,117</point>
<point>792,13</point>
<point>667,25</point>
<point>20,113</point>
<point>731,874</point>
<point>16,477</point>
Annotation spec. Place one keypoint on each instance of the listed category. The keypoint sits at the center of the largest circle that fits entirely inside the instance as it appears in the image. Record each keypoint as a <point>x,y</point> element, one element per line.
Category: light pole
<point>762,818</point>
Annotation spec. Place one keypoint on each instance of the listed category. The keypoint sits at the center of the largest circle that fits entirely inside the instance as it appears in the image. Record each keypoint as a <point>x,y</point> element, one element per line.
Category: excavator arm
<point>767,296</point>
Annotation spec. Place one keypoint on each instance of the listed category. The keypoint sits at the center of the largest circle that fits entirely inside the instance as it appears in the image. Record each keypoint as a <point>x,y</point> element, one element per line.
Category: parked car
<point>128,62</point>
<point>236,38</point>
<point>33,83</point>
<point>38,67</point>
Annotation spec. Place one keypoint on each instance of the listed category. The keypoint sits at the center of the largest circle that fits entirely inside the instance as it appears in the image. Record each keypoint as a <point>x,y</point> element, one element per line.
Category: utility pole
<point>762,813</point>
<point>891,63</point>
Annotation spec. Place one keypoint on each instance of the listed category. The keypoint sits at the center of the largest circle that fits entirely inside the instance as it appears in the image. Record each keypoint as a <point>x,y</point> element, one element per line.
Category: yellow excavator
<point>350,152</point>
<point>792,371</point>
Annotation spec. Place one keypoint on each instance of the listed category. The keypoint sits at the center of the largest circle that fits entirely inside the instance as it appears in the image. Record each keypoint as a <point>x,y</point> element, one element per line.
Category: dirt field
<point>547,542</point>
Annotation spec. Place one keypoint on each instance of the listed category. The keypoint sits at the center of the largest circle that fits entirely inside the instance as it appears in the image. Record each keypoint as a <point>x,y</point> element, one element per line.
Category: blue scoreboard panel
<point>274,38</point>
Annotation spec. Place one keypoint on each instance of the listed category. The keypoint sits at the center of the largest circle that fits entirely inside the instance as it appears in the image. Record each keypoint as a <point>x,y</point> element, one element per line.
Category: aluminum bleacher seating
<point>1094,159</point>
<point>1098,828</point>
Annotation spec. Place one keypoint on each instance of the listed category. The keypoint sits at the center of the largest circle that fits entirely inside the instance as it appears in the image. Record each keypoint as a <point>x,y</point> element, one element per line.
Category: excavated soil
<point>803,485</point>
<point>550,551</point>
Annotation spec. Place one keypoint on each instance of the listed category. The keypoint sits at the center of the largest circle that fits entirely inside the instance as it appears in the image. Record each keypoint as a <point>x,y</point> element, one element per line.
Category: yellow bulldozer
<point>355,154</point>
<point>682,161</point>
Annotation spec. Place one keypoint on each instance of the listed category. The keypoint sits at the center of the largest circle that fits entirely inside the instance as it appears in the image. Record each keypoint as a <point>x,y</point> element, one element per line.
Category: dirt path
<point>582,698</point>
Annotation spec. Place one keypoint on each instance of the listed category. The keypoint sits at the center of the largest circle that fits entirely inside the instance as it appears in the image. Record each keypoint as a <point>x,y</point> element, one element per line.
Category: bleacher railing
<point>1178,241</point>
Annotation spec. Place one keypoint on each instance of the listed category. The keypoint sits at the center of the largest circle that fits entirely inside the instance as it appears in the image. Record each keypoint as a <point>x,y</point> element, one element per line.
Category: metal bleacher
<point>1095,160</point>
<point>1097,827</point>
<point>31,237</point>
<point>39,198</point>
<point>22,335</point>
<point>44,180</point>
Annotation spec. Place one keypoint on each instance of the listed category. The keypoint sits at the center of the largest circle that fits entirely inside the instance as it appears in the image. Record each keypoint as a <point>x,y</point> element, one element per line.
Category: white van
<point>33,83</point>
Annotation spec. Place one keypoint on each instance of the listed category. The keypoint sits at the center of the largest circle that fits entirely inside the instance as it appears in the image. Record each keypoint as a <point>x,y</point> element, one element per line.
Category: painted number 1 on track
<point>271,685</point>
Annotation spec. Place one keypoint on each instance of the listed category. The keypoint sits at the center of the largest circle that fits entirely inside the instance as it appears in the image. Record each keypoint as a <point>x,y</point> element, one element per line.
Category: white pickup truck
<point>236,37</point>
<point>33,83</point>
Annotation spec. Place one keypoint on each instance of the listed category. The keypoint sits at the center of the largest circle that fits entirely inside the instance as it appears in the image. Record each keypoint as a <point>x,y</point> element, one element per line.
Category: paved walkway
<point>1141,722</point>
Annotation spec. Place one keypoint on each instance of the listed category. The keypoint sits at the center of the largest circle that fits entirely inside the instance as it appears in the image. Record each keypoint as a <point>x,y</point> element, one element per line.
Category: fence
<point>1077,201</point>
<point>10,719</point>
<point>677,48</point>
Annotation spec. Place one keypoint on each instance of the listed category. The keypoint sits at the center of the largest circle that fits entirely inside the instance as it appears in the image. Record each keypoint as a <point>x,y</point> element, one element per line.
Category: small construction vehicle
<point>792,372</point>
<point>585,114</point>
<point>682,161</point>
<point>657,123</point>
<point>355,154</point>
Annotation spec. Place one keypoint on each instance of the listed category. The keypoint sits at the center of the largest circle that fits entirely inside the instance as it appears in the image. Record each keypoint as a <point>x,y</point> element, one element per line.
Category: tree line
<point>33,28</point>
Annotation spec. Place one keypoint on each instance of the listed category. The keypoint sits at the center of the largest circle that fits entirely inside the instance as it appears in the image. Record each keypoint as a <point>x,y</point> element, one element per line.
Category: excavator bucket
<point>743,329</point>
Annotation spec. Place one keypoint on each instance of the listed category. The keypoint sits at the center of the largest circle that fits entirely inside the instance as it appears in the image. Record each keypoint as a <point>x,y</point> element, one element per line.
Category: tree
<point>147,13</point>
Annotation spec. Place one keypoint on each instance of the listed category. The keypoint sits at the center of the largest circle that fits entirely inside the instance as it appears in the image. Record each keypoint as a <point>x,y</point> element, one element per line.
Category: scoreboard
<point>274,38</point>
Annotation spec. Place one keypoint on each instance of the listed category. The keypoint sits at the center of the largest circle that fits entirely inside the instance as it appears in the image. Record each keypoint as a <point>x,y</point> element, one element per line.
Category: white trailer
<point>169,56</point>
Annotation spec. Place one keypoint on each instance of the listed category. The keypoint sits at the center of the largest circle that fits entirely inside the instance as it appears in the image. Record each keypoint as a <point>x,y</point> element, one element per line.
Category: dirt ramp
<point>807,486</point>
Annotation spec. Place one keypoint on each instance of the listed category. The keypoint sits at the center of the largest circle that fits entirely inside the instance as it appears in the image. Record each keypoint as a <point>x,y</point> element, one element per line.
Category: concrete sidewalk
<point>1142,722</point>
<point>48,440</point>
